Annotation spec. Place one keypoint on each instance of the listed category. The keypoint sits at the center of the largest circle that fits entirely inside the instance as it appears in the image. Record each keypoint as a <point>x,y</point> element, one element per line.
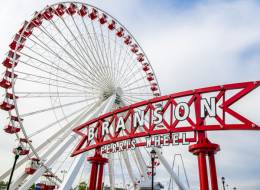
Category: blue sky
<point>190,44</point>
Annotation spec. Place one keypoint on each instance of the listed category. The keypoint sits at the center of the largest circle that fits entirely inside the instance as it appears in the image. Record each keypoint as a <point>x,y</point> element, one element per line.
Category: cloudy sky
<point>190,44</point>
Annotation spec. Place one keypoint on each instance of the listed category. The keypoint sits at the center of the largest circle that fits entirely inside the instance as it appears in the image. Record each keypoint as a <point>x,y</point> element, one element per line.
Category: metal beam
<point>72,174</point>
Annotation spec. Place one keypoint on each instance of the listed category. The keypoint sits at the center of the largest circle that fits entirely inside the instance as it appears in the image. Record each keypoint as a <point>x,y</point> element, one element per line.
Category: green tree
<point>82,186</point>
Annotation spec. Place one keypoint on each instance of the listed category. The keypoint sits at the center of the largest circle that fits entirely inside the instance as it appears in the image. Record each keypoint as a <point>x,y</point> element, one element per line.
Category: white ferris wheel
<point>69,63</point>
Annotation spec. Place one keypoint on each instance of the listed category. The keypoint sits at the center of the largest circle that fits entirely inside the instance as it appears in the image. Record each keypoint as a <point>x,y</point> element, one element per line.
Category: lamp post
<point>153,153</point>
<point>63,173</point>
<point>17,154</point>
<point>223,182</point>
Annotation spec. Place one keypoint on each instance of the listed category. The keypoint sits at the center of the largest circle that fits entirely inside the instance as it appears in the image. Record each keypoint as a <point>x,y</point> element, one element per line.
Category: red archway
<point>164,114</point>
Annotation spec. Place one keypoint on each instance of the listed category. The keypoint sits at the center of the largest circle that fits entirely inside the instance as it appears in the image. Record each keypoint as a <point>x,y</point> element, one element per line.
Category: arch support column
<point>97,169</point>
<point>202,149</point>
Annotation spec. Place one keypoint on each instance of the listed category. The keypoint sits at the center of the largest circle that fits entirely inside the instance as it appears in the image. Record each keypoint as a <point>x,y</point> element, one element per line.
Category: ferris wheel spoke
<point>130,98</point>
<point>48,60</point>
<point>136,163</point>
<point>28,93</point>
<point>110,45</point>
<point>73,58</point>
<point>94,64</point>
<point>128,167</point>
<point>116,63</point>
<point>29,75</point>
<point>110,68</point>
<point>117,59</point>
<point>50,50</point>
<point>94,47</point>
<point>123,61</point>
<point>122,171</point>
<point>51,73</point>
<point>81,49</point>
<point>49,84</point>
<point>127,84</point>
<point>78,111</point>
<point>43,70</point>
<point>80,59</point>
<point>128,73</point>
<point>111,170</point>
<point>100,49</point>
<point>127,62</point>
<point>53,108</point>
<point>137,93</point>
<point>139,87</point>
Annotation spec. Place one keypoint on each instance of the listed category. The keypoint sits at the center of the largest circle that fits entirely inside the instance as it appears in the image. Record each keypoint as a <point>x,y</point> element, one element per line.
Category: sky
<point>190,44</point>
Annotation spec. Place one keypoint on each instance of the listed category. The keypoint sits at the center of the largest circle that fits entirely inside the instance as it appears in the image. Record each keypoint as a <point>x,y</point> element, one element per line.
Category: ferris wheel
<point>69,63</point>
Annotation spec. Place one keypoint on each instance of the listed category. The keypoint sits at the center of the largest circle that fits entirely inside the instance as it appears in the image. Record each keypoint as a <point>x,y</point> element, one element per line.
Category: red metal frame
<point>171,124</point>
<point>97,169</point>
<point>201,149</point>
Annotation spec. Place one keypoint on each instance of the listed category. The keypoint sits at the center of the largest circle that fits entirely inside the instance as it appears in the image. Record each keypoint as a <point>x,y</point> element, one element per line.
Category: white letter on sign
<point>91,133</point>
<point>182,111</point>
<point>138,119</point>
<point>209,108</point>
<point>120,124</point>
<point>105,129</point>
<point>157,116</point>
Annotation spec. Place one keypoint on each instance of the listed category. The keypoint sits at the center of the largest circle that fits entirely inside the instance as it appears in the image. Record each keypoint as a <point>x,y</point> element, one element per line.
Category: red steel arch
<point>169,124</point>
<point>169,101</point>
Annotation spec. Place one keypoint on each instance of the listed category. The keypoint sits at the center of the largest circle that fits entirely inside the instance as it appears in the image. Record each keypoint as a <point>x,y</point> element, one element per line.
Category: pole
<point>97,170</point>
<point>152,171</point>
<point>213,172</point>
<point>12,172</point>
<point>93,176</point>
<point>203,171</point>
<point>202,149</point>
<point>223,182</point>
<point>100,177</point>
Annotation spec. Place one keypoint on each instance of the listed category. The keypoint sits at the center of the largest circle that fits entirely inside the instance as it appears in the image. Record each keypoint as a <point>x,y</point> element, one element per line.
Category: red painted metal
<point>202,149</point>
<point>213,172</point>
<point>97,169</point>
<point>204,185</point>
<point>100,177</point>
<point>171,124</point>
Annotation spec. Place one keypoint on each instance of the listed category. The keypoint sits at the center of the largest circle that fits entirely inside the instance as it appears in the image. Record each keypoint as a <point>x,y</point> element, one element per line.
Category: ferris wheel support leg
<point>97,168</point>
<point>202,149</point>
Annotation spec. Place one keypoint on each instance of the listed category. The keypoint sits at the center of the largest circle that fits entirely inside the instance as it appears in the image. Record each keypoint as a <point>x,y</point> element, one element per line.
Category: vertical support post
<point>93,176</point>
<point>100,177</point>
<point>213,172</point>
<point>203,148</point>
<point>203,174</point>
<point>97,169</point>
